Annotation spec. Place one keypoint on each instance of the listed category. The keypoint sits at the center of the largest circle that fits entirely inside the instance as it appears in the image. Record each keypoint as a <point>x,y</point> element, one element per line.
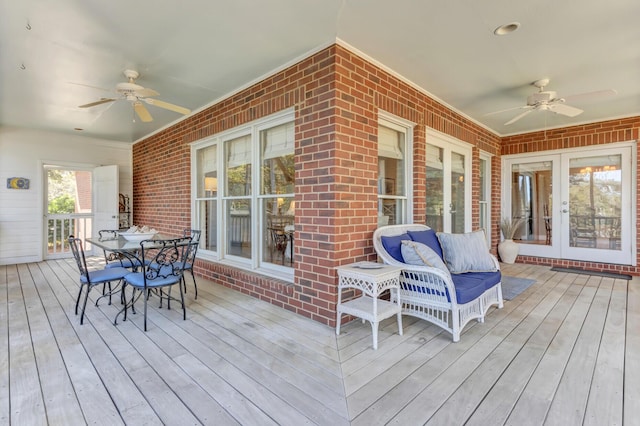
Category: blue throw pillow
<point>428,238</point>
<point>393,244</point>
<point>466,252</point>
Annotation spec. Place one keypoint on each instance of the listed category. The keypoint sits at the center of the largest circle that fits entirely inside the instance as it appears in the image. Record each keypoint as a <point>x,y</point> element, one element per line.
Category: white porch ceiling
<point>196,52</point>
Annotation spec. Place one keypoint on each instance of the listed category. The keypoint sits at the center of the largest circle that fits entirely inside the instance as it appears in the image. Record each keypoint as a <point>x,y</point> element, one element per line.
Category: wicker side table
<point>372,279</point>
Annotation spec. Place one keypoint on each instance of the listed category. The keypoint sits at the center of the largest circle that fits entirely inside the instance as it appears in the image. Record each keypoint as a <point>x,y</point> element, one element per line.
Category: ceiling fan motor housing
<point>541,98</point>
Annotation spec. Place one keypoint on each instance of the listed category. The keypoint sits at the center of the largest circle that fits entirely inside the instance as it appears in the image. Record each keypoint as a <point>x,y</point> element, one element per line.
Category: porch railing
<point>60,226</point>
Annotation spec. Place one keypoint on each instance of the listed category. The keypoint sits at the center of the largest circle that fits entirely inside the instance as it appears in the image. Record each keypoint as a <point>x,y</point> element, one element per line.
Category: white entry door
<point>448,185</point>
<point>105,198</point>
<point>575,204</point>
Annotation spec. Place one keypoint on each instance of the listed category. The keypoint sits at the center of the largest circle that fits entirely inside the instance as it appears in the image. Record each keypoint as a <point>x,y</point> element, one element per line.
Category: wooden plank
<point>285,379</point>
<point>470,393</point>
<point>428,385</point>
<point>5,417</point>
<point>605,403</point>
<point>239,360</point>
<point>27,404</point>
<point>569,403</point>
<point>498,402</point>
<point>534,402</point>
<point>632,356</point>
<point>61,402</point>
<point>99,346</point>
<point>255,336</point>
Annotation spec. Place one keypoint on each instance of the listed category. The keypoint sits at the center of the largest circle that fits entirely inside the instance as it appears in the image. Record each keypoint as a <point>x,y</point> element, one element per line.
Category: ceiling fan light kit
<point>136,94</point>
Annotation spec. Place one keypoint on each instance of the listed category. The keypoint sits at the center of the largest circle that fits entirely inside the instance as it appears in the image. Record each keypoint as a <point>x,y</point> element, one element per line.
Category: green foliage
<point>64,203</point>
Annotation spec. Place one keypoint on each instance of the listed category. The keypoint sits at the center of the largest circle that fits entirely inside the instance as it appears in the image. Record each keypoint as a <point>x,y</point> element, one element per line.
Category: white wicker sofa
<point>447,300</point>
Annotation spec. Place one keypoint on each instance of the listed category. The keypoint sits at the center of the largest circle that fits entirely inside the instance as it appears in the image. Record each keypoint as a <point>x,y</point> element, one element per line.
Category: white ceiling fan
<point>137,94</point>
<point>549,101</point>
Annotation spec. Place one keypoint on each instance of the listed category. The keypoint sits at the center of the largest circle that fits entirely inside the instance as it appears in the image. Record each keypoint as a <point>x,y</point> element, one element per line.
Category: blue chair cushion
<point>393,245</point>
<point>467,288</point>
<point>105,275</point>
<point>123,263</point>
<point>428,238</point>
<point>136,279</point>
<point>489,279</point>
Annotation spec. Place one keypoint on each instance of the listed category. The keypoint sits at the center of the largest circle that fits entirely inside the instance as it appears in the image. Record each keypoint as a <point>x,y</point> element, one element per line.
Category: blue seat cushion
<point>393,245</point>
<point>467,288</point>
<point>489,279</point>
<point>428,238</point>
<point>105,275</point>
<point>136,279</point>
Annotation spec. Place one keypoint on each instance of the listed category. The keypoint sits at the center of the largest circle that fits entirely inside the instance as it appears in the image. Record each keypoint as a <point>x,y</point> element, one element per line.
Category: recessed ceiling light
<point>506,28</point>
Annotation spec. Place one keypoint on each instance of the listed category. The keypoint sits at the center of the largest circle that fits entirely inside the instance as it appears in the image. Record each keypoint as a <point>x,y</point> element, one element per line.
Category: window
<point>485,195</point>
<point>394,137</point>
<point>244,186</point>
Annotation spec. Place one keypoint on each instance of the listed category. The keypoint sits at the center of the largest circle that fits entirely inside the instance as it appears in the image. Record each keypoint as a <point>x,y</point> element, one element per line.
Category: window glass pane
<point>278,171</point>
<point>531,195</point>
<point>207,169</point>
<point>391,176</point>
<point>207,223</point>
<point>238,220</point>
<point>595,202</point>
<point>279,230</point>
<point>484,187</point>
<point>238,162</point>
<point>435,187</point>
<point>391,147</point>
<point>457,207</point>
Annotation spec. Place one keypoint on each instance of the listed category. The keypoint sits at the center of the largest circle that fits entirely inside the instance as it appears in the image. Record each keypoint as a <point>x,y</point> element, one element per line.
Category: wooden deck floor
<point>566,352</point>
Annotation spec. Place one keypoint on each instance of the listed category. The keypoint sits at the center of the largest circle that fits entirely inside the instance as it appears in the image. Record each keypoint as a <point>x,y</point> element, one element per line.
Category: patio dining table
<point>128,249</point>
<point>131,250</point>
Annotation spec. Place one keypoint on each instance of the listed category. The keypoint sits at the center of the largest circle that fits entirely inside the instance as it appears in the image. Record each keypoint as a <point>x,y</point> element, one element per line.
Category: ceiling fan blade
<point>142,112</point>
<point>100,102</point>
<point>167,105</point>
<point>582,97</point>
<point>144,92</point>
<point>509,109</point>
<point>564,109</point>
<point>89,86</point>
<point>518,117</point>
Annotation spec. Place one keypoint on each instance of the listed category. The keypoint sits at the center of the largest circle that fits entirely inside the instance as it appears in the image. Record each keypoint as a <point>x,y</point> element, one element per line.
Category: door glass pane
<point>484,201</point>
<point>595,200</point>
<point>435,187</point>
<point>457,193</point>
<point>531,196</point>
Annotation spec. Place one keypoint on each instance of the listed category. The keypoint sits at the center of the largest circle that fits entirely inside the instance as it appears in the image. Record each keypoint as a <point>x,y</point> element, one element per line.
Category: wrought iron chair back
<point>90,279</point>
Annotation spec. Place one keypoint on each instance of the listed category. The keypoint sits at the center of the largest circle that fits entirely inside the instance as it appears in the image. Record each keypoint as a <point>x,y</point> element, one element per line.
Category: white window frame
<point>257,227</point>
<point>404,126</point>
<point>485,156</point>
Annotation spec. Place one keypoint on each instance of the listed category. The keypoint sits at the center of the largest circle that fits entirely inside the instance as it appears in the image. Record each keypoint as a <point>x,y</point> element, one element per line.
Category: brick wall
<point>336,96</point>
<point>620,130</point>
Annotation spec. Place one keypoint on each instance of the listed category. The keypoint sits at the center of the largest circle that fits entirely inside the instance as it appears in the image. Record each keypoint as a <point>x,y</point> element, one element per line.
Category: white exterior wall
<point>22,154</point>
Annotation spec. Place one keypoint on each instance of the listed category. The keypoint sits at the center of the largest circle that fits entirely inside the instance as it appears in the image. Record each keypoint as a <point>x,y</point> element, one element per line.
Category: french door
<point>575,204</point>
<point>448,184</point>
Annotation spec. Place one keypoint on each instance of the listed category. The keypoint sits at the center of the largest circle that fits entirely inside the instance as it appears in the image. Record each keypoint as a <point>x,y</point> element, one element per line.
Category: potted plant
<point>508,249</point>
